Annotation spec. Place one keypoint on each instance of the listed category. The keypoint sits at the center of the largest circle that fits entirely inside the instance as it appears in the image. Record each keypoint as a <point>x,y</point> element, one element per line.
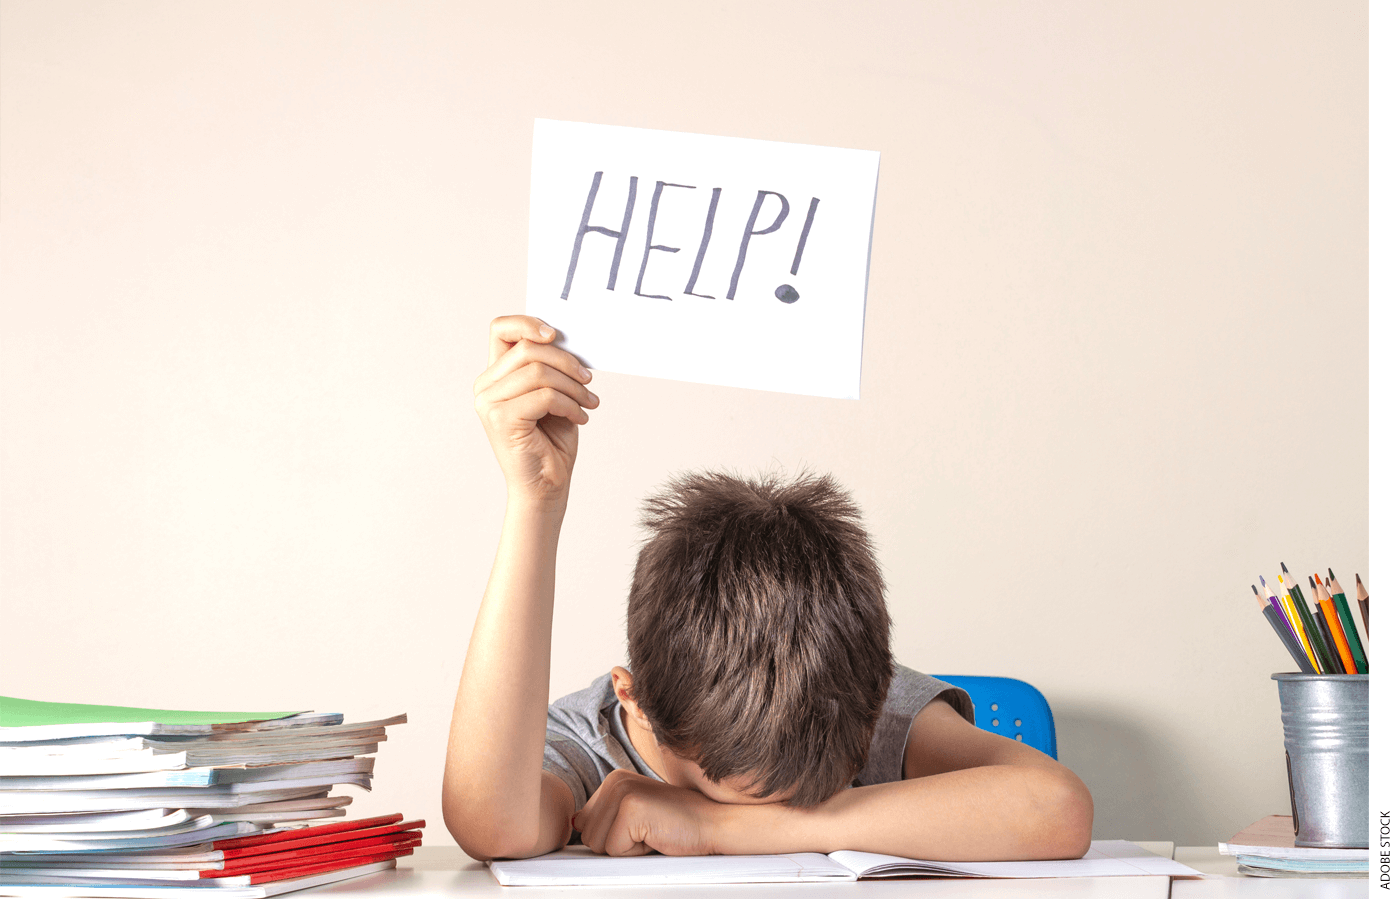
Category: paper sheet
<point>1104,858</point>
<point>579,865</point>
<point>719,260</point>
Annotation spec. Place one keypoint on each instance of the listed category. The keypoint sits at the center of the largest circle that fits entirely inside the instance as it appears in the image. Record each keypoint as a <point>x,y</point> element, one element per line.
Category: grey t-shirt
<point>585,738</point>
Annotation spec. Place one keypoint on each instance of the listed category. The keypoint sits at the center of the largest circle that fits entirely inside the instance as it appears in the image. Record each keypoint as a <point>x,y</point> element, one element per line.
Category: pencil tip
<point>1310,582</point>
<point>1330,575</point>
<point>1285,568</point>
<point>1254,589</point>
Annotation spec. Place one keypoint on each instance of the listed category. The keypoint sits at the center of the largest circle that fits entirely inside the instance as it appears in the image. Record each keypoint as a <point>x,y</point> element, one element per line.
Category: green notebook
<point>18,713</point>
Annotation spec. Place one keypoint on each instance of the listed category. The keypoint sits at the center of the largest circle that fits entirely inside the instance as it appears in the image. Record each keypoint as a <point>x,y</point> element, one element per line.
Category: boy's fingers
<point>507,331</point>
<point>621,843</point>
<point>535,377</point>
<point>523,354</point>
<point>633,848</point>
<point>545,402</point>
<point>595,820</point>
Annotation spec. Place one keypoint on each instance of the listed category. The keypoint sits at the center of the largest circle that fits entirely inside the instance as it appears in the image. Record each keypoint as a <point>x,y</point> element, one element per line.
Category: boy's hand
<point>531,400</point>
<point>631,814</point>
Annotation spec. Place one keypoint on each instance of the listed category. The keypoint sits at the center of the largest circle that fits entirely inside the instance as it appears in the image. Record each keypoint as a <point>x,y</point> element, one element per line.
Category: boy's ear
<point>622,687</point>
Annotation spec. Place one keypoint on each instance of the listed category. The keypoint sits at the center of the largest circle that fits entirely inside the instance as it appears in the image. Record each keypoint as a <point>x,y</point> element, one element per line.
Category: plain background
<point>1115,350</point>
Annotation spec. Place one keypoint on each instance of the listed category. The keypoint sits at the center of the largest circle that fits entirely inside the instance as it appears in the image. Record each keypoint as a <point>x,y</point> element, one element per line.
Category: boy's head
<point>757,632</point>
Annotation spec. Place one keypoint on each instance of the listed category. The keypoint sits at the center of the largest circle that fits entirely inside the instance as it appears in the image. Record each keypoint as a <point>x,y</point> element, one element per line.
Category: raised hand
<point>531,400</point>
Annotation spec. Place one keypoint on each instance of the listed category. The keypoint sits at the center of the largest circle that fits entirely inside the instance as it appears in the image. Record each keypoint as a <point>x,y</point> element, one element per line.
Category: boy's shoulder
<point>909,692</point>
<point>585,739</point>
<point>586,711</point>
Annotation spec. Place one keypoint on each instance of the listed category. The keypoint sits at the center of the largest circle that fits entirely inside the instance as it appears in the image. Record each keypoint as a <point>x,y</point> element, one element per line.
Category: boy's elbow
<point>488,843</point>
<point>485,837</point>
<point>488,847</point>
<point>1070,817</point>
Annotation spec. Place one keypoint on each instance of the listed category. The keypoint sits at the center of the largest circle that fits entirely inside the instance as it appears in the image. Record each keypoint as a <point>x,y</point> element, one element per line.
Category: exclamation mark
<point>786,292</point>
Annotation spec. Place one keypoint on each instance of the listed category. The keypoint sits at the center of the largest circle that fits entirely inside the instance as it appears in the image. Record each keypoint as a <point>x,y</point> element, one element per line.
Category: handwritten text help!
<point>726,261</point>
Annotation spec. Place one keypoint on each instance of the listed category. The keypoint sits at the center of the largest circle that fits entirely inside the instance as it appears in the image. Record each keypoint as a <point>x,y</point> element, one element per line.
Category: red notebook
<point>277,856</point>
<point>295,873</point>
<point>311,855</point>
<point>296,834</point>
<point>337,832</point>
<point>299,864</point>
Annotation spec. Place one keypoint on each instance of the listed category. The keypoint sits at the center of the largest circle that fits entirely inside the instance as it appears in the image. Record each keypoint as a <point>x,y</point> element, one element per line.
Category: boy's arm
<point>496,798</point>
<point>967,795</point>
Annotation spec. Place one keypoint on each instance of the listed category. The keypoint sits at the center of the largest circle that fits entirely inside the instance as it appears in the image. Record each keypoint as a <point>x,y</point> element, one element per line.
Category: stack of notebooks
<point>1266,848</point>
<point>126,802</point>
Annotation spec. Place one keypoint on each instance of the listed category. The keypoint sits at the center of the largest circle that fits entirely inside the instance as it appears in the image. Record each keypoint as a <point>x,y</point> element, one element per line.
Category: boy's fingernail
<point>546,332</point>
<point>586,375</point>
<point>592,397</point>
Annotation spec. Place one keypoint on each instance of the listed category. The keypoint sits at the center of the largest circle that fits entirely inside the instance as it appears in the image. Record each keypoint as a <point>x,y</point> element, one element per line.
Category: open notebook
<point>579,865</point>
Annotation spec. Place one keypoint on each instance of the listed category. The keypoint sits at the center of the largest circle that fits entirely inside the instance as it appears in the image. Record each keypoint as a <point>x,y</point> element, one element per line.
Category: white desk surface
<point>1223,880</point>
<point>448,872</point>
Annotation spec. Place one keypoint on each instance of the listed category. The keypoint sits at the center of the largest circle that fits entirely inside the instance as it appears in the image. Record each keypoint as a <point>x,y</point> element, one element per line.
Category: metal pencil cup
<point>1326,742</point>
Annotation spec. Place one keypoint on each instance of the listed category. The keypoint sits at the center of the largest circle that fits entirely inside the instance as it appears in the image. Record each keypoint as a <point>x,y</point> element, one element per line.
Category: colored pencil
<point>1336,640</point>
<point>1327,619</point>
<point>1290,616</point>
<point>1284,631</point>
<point>1363,600</point>
<point>1301,618</point>
<point>1333,661</point>
<point>1339,601</point>
<point>1339,638</point>
<point>1295,593</point>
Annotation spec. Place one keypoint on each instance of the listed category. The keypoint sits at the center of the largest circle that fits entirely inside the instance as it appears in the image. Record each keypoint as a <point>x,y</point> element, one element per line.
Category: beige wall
<point>1118,282</point>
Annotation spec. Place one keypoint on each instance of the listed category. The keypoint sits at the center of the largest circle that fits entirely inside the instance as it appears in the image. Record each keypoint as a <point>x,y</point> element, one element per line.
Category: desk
<point>1223,880</point>
<point>448,872</point>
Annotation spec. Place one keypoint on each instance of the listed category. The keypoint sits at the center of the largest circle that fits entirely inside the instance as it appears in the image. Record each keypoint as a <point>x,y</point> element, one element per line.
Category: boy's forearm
<point>986,813</point>
<point>491,785</point>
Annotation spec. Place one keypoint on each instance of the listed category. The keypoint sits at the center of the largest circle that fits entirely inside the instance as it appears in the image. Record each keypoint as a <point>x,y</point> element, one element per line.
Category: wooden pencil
<point>1339,601</point>
<point>1327,611</point>
<point>1290,615</point>
<point>1363,600</point>
<point>1295,594</point>
<point>1284,631</point>
<point>1334,662</point>
<point>1334,656</point>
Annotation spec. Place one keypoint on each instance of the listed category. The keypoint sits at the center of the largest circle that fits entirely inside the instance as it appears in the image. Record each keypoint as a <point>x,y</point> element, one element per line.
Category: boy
<point>765,714</point>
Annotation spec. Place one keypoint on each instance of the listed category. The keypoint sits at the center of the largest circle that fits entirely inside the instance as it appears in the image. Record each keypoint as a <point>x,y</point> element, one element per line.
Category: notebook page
<point>576,865</point>
<point>1104,858</point>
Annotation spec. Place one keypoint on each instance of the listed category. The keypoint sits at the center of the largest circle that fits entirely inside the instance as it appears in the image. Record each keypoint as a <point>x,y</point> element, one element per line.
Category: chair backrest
<point>1011,708</point>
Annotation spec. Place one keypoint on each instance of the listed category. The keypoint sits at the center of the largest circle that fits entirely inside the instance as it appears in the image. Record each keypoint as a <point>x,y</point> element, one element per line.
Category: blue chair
<point>1011,708</point>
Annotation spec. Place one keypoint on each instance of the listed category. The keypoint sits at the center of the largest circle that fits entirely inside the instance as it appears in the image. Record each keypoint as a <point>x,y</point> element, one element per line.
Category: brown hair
<point>757,633</point>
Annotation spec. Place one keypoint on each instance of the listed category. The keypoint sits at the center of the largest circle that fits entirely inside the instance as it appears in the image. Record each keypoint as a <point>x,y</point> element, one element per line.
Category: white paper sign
<point>719,260</point>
